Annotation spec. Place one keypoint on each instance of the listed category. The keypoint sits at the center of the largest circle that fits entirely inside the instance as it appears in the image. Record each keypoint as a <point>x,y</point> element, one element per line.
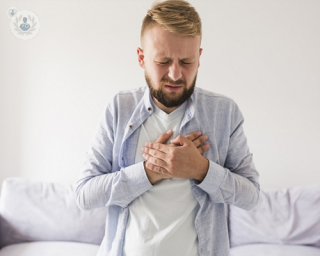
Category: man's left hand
<point>184,161</point>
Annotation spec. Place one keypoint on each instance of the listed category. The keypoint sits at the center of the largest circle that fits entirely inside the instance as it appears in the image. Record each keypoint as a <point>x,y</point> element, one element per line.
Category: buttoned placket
<point>134,124</point>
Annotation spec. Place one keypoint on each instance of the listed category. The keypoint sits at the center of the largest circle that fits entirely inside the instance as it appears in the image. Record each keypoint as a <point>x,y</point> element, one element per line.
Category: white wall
<point>263,54</point>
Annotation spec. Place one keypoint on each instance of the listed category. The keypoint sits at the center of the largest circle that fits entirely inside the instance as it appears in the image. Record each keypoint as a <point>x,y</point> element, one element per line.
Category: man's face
<point>171,64</point>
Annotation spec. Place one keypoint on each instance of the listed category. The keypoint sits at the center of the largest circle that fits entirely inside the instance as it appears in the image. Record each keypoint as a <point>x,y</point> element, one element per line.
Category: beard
<point>171,99</point>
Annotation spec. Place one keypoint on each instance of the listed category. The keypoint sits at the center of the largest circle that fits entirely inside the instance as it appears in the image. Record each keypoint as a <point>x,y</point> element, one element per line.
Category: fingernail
<point>169,131</point>
<point>199,133</point>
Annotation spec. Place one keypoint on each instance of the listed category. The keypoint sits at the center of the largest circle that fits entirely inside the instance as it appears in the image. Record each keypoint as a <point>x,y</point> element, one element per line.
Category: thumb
<point>180,140</point>
<point>164,137</point>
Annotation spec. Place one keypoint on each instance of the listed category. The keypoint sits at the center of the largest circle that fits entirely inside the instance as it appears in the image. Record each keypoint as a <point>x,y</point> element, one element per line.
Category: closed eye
<point>163,63</point>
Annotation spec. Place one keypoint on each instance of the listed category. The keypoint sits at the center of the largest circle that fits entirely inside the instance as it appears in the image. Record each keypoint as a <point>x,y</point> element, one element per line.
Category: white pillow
<point>284,216</point>
<point>43,211</point>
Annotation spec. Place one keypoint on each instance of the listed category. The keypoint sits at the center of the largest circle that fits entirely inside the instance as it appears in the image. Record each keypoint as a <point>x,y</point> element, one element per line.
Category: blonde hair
<point>176,16</point>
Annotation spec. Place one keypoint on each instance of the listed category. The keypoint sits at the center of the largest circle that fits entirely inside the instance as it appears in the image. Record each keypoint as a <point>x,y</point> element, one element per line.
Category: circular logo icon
<point>25,25</point>
<point>11,11</point>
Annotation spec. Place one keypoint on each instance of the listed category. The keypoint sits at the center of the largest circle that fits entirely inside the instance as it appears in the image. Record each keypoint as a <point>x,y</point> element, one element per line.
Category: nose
<point>175,71</point>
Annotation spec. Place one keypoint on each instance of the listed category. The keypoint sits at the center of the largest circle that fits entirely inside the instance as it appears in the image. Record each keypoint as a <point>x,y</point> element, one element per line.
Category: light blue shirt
<point>111,178</point>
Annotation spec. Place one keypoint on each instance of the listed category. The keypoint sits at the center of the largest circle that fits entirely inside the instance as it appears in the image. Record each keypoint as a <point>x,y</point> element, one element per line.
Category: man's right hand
<point>163,138</point>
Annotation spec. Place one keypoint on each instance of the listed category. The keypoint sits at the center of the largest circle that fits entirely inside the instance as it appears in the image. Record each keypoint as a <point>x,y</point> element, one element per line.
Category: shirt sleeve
<point>99,185</point>
<point>237,182</point>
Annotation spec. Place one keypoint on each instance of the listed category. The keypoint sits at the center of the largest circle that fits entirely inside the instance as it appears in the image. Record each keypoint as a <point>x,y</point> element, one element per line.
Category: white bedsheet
<point>50,249</point>
<point>274,250</point>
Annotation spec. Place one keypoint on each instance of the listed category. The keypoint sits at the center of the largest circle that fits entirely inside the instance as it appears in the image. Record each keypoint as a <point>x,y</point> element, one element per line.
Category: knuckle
<point>149,165</point>
<point>170,160</point>
<point>155,161</point>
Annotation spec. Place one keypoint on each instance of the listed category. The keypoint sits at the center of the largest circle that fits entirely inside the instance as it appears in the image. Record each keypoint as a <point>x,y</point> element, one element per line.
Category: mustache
<point>182,83</point>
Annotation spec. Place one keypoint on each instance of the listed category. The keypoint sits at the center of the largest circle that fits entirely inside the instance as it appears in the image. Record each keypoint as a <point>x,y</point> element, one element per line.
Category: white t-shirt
<point>161,221</point>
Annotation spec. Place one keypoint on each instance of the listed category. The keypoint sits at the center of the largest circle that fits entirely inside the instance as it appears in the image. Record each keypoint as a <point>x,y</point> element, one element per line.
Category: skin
<point>171,59</point>
<point>179,53</point>
<point>196,138</point>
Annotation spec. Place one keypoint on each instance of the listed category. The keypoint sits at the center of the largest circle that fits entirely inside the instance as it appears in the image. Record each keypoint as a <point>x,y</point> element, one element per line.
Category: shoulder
<point>133,92</point>
<point>125,99</point>
<point>129,95</point>
<point>211,104</point>
<point>210,98</point>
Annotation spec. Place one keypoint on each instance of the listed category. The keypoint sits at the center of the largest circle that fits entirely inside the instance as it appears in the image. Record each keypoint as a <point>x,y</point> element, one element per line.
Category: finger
<point>154,153</point>
<point>203,148</point>
<point>164,137</point>
<point>158,146</point>
<point>200,140</point>
<point>157,169</point>
<point>154,161</point>
<point>181,140</point>
<point>193,136</point>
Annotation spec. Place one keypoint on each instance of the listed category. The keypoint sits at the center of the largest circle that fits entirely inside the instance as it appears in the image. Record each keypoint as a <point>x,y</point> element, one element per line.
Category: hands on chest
<point>182,158</point>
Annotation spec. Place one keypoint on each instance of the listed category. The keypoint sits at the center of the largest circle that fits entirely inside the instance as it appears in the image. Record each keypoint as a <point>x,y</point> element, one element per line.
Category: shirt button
<point>130,126</point>
<point>149,109</point>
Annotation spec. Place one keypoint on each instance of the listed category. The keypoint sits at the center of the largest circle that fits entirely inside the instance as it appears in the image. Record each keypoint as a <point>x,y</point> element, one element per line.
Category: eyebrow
<point>168,58</point>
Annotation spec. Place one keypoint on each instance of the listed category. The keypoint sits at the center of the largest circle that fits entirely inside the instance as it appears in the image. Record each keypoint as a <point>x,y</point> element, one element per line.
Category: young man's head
<point>170,40</point>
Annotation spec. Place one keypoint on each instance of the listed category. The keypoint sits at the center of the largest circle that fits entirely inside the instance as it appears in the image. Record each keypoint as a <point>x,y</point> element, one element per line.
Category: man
<point>164,188</point>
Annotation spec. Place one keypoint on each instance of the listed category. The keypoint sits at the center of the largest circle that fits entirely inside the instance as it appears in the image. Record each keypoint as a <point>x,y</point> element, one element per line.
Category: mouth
<point>173,87</point>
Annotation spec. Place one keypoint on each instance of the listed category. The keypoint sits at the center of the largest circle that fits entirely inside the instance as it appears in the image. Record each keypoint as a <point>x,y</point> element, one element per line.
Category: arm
<point>234,183</point>
<point>98,185</point>
<point>237,181</point>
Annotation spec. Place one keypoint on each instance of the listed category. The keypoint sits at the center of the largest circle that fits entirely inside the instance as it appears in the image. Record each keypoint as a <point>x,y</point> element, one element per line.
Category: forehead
<point>160,43</point>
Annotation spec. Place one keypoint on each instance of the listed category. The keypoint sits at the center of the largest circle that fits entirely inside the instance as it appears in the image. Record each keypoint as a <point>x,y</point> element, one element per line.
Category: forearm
<point>236,180</point>
<point>116,188</point>
<point>239,188</point>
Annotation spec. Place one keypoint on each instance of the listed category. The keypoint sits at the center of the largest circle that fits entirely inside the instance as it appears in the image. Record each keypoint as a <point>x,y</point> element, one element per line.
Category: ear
<point>200,51</point>
<point>140,57</point>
